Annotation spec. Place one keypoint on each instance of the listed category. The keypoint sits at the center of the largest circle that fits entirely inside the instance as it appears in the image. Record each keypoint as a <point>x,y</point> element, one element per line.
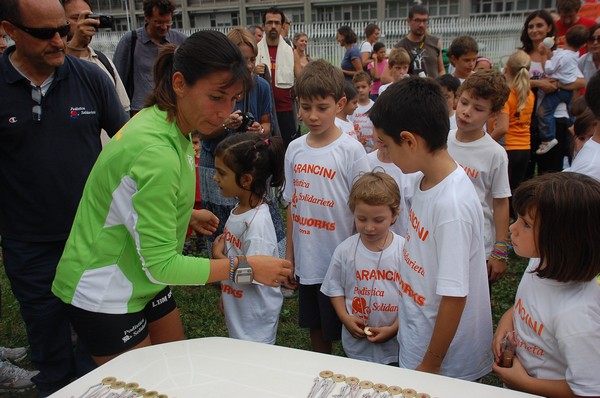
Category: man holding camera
<point>137,50</point>
<point>83,26</point>
<point>52,109</point>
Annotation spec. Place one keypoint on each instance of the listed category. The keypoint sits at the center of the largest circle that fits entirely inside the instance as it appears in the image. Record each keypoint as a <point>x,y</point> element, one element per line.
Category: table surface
<point>222,367</point>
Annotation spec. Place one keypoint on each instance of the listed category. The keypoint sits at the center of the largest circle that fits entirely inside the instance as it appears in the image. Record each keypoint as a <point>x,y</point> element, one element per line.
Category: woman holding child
<point>125,246</point>
<point>539,25</point>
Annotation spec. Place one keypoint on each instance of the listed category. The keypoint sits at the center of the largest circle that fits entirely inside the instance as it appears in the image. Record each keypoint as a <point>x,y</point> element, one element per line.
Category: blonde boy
<point>398,64</point>
<point>444,317</point>
<point>320,168</point>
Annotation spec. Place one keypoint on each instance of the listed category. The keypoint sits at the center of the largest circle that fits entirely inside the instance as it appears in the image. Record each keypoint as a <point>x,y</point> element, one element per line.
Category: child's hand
<point>496,269</point>
<point>382,334</point>
<point>204,222</point>
<point>355,326</point>
<point>513,377</point>
<point>218,248</point>
<point>290,282</point>
<point>505,325</point>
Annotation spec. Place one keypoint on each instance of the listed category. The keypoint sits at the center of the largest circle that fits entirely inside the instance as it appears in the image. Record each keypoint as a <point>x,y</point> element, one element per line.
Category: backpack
<point>104,61</point>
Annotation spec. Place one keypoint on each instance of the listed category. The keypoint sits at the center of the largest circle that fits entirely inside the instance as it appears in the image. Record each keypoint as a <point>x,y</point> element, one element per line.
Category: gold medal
<point>326,374</point>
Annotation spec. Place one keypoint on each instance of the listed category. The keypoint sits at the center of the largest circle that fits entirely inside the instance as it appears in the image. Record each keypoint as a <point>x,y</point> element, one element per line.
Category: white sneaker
<point>13,354</point>
<point>13,378</point>
<point>546,146</point>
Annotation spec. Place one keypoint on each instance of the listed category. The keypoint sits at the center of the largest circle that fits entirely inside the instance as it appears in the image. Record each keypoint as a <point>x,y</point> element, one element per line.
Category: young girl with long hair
<point>555,320</point>
<point>247,166</point>
<point>514,122</point>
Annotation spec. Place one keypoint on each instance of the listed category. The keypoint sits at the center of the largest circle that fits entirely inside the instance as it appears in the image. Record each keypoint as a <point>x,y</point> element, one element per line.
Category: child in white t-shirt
<point>341,118</point>
<point>554,325</point>
<point>444,294</point>
<point>362,124</point>
<point>481,97</point>
<point>363,277</point>
<point>247,166</point>
<point>320,168</point>
<point>397,67</point>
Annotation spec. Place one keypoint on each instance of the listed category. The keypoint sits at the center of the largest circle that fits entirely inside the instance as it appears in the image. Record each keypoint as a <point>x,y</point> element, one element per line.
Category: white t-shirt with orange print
<point>557,328</point>
<point>444,256</point>
<point>317,187</point>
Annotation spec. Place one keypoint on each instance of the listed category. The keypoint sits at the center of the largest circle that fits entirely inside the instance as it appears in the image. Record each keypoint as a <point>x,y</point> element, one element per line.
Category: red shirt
<point>283,96</point>
<point>561,32</point>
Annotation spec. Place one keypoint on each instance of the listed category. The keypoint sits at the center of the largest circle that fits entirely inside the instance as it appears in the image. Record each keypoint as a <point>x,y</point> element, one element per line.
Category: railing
<point>498,37</point>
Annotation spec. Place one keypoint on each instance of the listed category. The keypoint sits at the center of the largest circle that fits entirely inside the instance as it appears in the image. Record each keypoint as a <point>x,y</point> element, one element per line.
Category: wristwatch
<point>243,274</point>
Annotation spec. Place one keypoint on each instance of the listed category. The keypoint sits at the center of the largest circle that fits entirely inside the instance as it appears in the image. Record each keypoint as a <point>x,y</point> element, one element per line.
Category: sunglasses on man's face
<point>45,33</point>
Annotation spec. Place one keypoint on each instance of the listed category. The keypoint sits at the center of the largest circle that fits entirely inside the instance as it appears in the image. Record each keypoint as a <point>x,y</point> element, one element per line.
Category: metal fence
<point>497,36</point>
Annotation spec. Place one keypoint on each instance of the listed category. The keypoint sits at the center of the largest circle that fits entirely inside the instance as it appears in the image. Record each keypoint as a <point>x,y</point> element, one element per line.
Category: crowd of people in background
<point>400,176</point>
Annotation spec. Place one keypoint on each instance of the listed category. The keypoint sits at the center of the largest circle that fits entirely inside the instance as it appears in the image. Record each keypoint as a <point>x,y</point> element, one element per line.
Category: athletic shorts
<point>316,312</point>
<point>110,334</point>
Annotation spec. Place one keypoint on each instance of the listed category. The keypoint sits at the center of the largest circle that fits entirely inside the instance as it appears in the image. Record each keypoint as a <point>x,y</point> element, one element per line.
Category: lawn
<point>201,318</point>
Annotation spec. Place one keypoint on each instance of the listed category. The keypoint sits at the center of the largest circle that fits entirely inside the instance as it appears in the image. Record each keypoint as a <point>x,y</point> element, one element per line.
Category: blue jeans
<point>545,112</point>
<point>30,268</point>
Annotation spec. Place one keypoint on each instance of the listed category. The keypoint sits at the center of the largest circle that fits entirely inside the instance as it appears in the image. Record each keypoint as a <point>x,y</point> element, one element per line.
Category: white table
<point>222,367</point>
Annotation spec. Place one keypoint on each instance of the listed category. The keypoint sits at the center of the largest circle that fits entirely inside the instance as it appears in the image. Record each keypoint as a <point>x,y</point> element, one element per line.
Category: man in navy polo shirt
<point>52,109</point>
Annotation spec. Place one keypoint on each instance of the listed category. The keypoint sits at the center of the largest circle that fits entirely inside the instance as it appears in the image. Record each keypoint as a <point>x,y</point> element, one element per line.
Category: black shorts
<point>110,334</point>
<point>316,312</point>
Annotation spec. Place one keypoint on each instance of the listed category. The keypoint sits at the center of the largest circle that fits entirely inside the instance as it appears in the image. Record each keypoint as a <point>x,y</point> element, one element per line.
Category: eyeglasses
<point>276,23</point>
<point>420,21</point>
<point>45,33</point>
<point>36,95</point>
<point>594,39</point>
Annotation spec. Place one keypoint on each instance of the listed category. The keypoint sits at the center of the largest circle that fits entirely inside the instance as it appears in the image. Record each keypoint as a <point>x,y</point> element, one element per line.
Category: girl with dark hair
<point>553,326</point>
<point>248,166</point>
<point>125,246</point>
<point>352,61</point>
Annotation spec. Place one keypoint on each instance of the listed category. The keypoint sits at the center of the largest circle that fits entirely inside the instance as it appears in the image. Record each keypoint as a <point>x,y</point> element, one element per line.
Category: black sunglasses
<point>45,33</point>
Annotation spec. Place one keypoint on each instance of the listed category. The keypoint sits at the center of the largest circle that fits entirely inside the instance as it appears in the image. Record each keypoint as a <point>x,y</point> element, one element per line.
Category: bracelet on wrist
<point>232,268</point>
<point>438,356</point>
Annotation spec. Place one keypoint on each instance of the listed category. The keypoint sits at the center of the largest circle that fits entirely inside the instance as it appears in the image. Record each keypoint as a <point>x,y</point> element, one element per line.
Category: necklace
<point>363,309</point>
<point>246,227</point>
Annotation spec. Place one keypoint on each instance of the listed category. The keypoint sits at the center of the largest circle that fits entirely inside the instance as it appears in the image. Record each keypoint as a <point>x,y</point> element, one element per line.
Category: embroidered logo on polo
<point>12,120</point>
<point>76,112</point>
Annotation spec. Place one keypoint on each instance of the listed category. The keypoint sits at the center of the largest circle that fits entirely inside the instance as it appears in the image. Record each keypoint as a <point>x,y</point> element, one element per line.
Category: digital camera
<point>106,21</point>
<point>247,120</point>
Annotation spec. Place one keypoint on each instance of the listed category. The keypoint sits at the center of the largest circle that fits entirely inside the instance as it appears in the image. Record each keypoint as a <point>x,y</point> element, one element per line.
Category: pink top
<point>377,83</point>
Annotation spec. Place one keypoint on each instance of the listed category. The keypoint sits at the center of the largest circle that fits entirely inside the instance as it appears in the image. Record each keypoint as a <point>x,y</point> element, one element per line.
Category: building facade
<point>197,14</point>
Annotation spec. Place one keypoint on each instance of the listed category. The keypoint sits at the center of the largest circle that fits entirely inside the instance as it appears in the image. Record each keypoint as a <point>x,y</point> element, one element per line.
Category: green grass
<point>201,317</point>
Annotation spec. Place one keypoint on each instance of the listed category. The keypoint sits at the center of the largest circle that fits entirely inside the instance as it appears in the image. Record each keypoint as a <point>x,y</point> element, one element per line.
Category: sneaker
<point>13,378</point>
<point>546,146</point>
<point>13,354</point>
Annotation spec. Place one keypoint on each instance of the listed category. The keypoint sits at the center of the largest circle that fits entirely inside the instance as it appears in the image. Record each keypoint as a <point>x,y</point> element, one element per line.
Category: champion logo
<point>12,119</point>
<point>74,114</point>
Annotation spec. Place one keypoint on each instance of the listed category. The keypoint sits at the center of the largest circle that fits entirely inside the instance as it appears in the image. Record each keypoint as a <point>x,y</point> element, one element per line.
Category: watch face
<point>243,276</point>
